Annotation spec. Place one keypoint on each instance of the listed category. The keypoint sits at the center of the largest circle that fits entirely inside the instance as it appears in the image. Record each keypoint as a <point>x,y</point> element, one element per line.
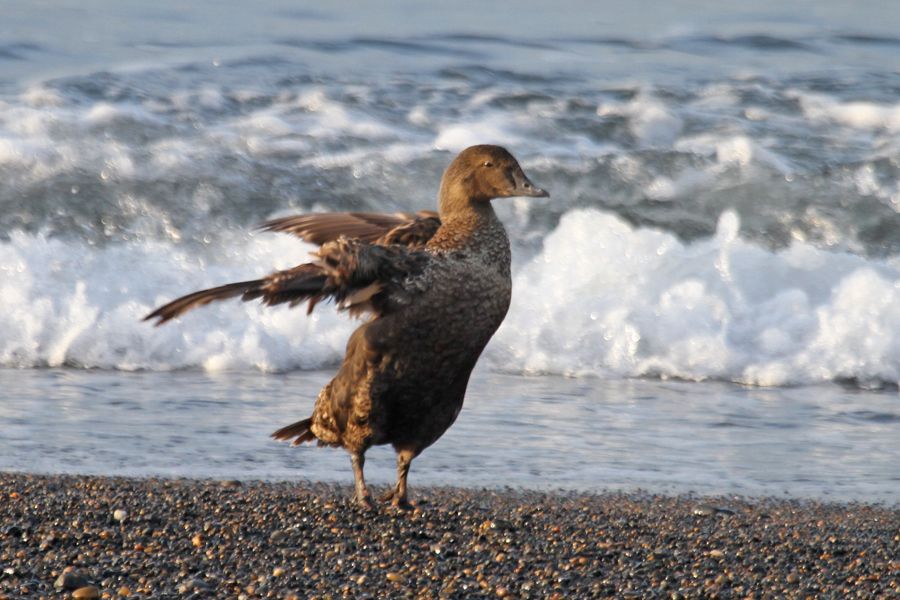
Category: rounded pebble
<point>88,592</point>
<point>70,580</point>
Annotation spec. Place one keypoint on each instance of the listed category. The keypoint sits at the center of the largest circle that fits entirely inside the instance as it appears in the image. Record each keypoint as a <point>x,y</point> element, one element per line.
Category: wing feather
<point>359,276</point>
<point>321,228</point>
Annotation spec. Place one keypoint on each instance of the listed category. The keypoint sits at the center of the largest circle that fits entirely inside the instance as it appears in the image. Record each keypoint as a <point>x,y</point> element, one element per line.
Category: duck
<point>431,288</point>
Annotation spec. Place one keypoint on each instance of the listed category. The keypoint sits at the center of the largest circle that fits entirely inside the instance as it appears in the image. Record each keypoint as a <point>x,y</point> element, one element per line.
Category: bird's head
<point>482,173</point>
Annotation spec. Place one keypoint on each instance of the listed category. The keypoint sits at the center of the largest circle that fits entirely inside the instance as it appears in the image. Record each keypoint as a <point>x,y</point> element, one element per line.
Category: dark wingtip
<point>155,315</point>
<point>162,315</point>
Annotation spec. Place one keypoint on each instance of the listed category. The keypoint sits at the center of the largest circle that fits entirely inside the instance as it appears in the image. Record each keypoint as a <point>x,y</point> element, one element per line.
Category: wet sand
<point>143,538</point>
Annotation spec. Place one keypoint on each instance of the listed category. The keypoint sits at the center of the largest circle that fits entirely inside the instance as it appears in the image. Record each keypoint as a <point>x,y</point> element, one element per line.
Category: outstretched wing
<point>408,229</point>
<point>360,277</point>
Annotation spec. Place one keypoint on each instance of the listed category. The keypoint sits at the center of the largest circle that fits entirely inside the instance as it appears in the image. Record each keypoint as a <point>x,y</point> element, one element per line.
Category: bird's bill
<point>524,187</point>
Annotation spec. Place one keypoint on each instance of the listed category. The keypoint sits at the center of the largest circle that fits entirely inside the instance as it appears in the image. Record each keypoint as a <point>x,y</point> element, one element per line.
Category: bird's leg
<point>397,495</point>
<point>361,497</point>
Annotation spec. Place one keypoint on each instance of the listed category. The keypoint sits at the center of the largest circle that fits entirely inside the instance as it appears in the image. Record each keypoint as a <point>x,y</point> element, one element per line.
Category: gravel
<point>158,538</point>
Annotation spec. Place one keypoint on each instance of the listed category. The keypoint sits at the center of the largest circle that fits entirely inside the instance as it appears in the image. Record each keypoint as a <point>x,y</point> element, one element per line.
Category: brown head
<point>481,173</point>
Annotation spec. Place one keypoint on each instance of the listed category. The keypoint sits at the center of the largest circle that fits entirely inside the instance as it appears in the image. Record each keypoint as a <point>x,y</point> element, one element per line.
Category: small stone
<point>70,580</point>
<point>277,571</point>
<point>197,540</point>
<point>277,537</point>
<point>706,510</point>
<point>88,592</point>
<point>793,577</point>
<point>716,553</point>
<point>360,580</point>
<point>395,577</point>
<point>120,515</point>
<point>124,591</point>
<point>47,541</point>
<point>192,585</point>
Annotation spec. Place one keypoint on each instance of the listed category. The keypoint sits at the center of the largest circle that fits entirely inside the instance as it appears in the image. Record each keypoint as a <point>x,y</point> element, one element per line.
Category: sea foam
<point>602,298</point>
<point>66,303</point>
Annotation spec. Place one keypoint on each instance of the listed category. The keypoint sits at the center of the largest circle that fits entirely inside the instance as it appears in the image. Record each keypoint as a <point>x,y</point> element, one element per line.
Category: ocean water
<point>709,300</point>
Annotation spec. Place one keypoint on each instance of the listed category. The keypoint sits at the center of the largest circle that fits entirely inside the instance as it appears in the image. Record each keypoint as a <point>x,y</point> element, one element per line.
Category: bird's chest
<point>468,301</point>
<point>453,318</point>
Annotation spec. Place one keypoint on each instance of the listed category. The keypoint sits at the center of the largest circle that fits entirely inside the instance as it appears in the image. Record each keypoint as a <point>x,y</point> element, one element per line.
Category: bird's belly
<point>427,369</point>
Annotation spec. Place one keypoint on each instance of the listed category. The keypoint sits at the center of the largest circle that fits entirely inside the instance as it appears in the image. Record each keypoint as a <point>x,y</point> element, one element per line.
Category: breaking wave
<point>601,298</point>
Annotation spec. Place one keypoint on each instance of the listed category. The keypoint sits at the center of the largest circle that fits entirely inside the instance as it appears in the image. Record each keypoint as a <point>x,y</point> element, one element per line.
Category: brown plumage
<point>437,286</point>
<point>408,229</point>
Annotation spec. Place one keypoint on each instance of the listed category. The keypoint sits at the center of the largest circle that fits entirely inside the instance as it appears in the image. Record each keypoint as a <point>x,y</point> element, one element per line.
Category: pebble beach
<point>110,537</point>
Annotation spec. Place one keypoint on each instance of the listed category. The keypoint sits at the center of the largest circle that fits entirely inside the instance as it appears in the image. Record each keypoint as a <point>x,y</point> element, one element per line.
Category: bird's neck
<point>465,222</point>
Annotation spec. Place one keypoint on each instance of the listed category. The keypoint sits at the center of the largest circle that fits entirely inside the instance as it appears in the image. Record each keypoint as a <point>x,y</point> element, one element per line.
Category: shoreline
<point>183,538</point>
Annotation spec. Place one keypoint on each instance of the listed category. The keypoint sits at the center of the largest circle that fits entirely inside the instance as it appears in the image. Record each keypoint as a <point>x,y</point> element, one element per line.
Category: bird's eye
<point>487,163</point>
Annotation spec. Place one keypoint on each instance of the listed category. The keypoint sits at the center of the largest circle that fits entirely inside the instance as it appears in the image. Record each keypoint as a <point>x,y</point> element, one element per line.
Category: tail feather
<point>301,430</point>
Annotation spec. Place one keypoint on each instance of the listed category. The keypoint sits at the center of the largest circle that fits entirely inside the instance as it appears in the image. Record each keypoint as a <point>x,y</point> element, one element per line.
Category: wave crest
<point>604,298</point>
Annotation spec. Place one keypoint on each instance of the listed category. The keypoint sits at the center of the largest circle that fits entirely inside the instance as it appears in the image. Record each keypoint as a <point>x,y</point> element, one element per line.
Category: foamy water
<point>606,299</point>
<point>600,298</point>
<point>122,193</point>
<point>725,211</point>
